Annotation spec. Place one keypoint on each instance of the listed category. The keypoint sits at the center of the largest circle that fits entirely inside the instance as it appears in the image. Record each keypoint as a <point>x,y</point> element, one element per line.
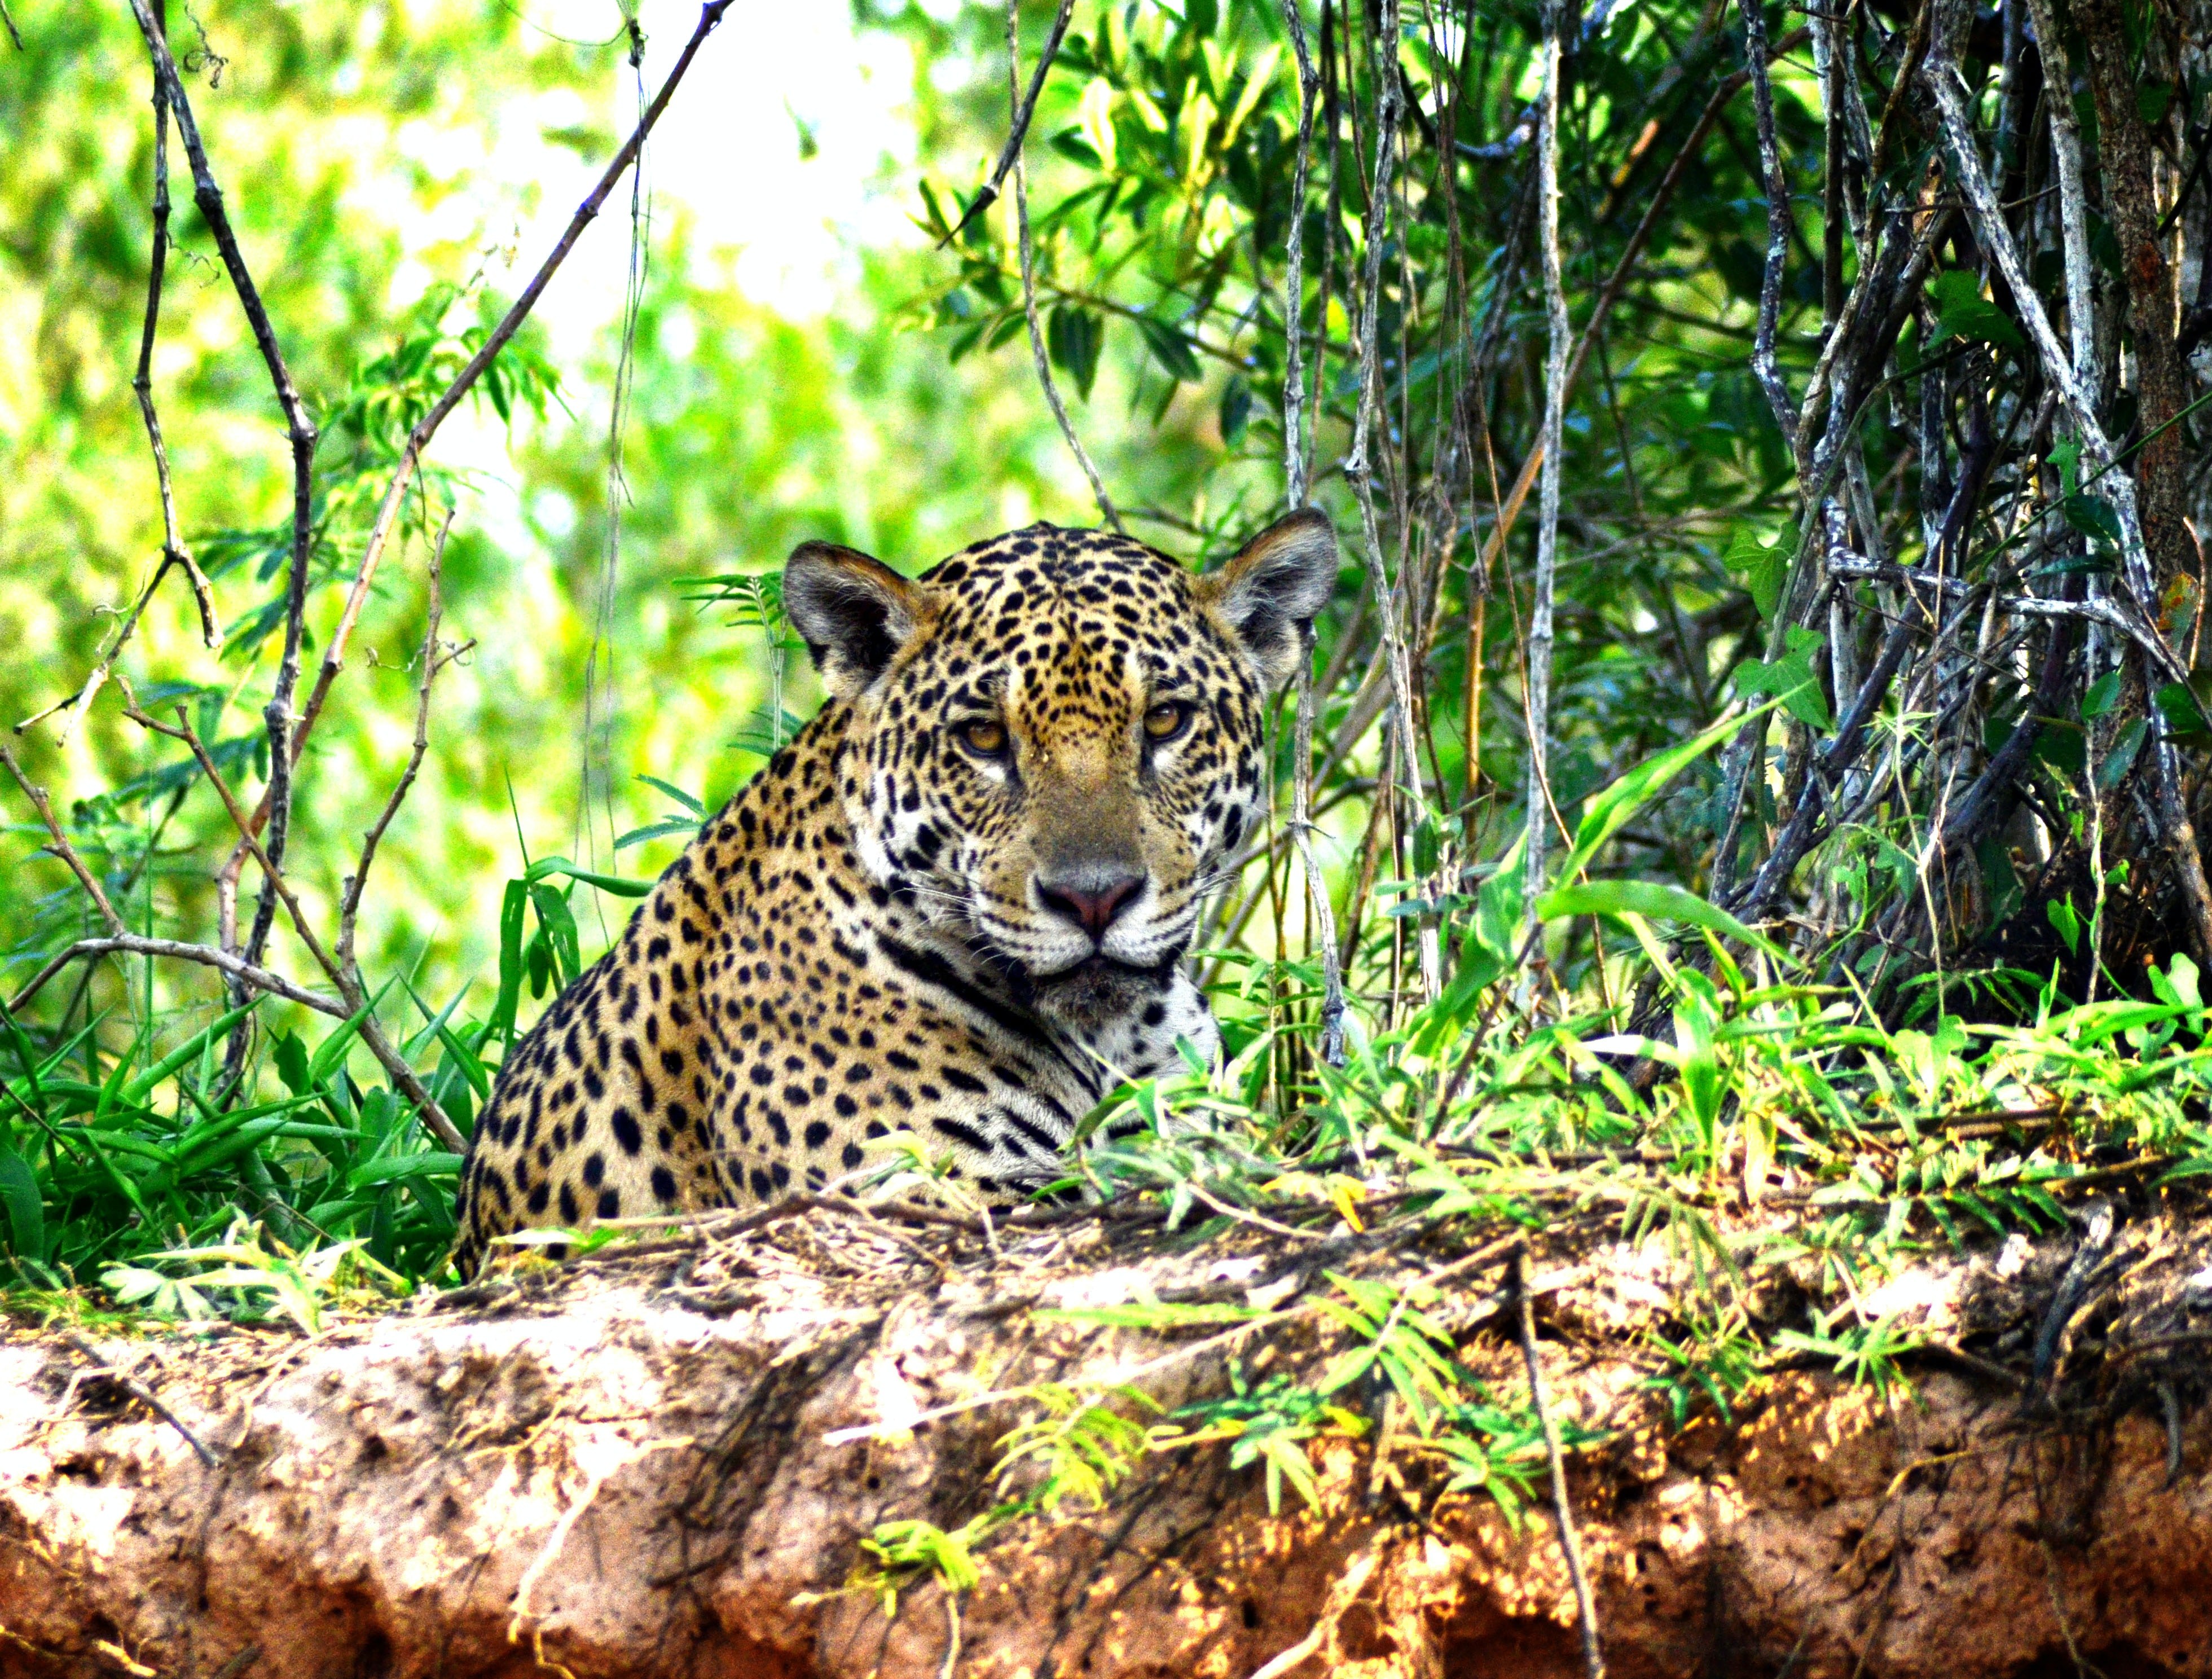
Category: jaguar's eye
<point>1166,721</point>
<point>983,738</point>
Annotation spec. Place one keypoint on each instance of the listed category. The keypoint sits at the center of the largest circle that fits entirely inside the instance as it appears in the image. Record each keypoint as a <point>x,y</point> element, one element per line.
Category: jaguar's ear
<point>1274,588</point>
<point>852,612</point>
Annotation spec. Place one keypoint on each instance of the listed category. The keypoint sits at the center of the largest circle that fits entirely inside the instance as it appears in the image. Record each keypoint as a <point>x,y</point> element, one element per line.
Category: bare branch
<point>1024,109</point>
<point>245,973</point>
<point>175,554</point>
<point>61,847</point>
<point>1294,461</point>
<point>1516,1288</point>
<point>182,730</point>
<point>1029,253</point>
<point>418,439</point>
<point>1726,89</point>
<point>1358,470</point>
<point>353,994</point>
<point>300,430</point>
<point>1537,689</point>
<point>1776,183</point>
<point>350,901</point>
<point>1945,83</point>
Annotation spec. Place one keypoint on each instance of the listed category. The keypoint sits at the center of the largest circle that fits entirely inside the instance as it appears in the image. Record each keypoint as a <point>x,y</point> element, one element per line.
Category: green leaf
<point>146,1082</point>
<point>1962,311</point>
<point>1236,409</point>
<point>1609,810</point>
<point>2093,517</point>
<point>2122,758</point>
<point>25,1213</point>
<point>559,925</point>
<point>2067,458</point>
<point>2183,711</point>
<point>1655,899</point>
<point>2061,913</point>
<point>291,1056</point>
<point>2063,745</point>
<point>513,911</point>
<point>619,885</point>
<point>2101,696</point>
<point>1763,563</point>
<point>1792,678</point>
<point>1074,337</point>
<point>677,793</point>
<point>1169,349</point>
<point>654,831</point>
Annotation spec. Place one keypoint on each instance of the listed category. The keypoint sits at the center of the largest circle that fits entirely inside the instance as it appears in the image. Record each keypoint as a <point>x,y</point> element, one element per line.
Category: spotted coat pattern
<point>956,906</point>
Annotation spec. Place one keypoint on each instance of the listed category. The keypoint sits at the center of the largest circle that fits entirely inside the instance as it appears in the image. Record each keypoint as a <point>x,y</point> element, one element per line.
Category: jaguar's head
<point>1057,738</point>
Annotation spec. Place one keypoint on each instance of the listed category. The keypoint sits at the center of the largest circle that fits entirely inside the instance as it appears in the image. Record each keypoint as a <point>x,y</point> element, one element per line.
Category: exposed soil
<point>620,1469</point>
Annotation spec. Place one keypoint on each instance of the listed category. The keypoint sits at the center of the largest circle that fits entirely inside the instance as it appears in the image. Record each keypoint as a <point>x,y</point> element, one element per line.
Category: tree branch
<point>1029,249</point>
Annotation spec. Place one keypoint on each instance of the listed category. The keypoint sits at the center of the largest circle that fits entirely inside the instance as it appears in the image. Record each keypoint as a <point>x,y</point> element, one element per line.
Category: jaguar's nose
<point>1092,898</point>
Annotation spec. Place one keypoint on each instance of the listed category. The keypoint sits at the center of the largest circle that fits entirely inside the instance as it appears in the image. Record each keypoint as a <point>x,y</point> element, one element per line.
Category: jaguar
<point>953,911</point>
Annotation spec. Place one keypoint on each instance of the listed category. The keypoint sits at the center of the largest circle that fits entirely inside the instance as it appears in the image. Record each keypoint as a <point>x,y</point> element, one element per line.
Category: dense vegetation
<point>1749,780</point>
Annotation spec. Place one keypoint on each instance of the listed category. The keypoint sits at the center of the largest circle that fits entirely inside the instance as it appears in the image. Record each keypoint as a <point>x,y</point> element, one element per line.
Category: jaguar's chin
<point>1096,989</point>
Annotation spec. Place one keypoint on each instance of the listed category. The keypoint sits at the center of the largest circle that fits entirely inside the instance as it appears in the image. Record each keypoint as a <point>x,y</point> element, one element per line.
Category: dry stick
<point>1010,153</point>
<point>418,439</point>
<point>1321,914</point>
<point>352,993</point>
<point>600,708</point>
<point>62,847</point>
<point>350,895</point>
<point>1536,694</point>
<point>1294,465</point>
<point>1516,1285</point>
<point>301,432</point>
<point>1525,480</point>
<point>1356,468</point>
<point>173,552</point>
<point>2073,231</point>
<point>1028,252</point>
<point>183,731</point>
<point>1776,185</point>
<point>1990,225</point>
<point>131,944</point>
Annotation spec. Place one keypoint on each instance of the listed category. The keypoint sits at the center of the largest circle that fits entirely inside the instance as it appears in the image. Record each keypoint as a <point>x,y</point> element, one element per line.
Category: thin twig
<point>175,554</point>
<point>1536,692</point>
<point>1617,282</point>
<point>1294,460</point>
<point>1029,251</point>
<point>1010,153</point>
<point>138,1390</point>
<point>418,439</point>
<point>1321,914</point>
<point>182,730</point>
<point>349,898</point>
<point>1356,467</point>
<point>61,847</point>
<point>1776,185</point>
<point>299,429</point>
<point>1945,83</point>
<point>353,996</point>
<point>208,956</point>
<point>1516,1285</point>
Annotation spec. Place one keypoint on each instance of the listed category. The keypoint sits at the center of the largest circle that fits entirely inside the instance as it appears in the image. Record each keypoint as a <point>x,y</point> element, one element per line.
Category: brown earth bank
<point>626,1468</point>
